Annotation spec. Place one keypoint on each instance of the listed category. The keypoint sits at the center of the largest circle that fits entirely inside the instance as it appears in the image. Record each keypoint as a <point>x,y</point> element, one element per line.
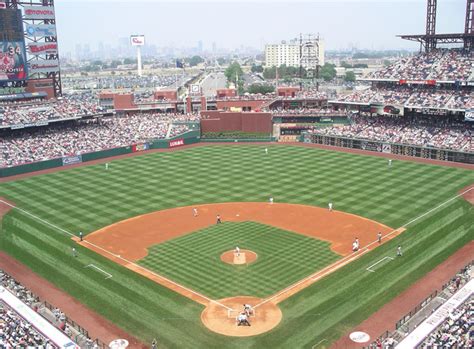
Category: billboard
<point>13,61</point>
<point>38,12</point>
<point>43,48</point>
<point>176,143</point>
<point>137,40</point>
<point>38,66</point>
<point>469,115</point>
<point>41,30</point>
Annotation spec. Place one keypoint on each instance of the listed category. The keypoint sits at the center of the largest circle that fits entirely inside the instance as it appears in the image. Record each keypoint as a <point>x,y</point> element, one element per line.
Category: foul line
<point>380,261</point>
<point>329,269</point>
<point>433,209</point>
<point>117,256</point>
<point>99,269</point>
<point>314,276</point>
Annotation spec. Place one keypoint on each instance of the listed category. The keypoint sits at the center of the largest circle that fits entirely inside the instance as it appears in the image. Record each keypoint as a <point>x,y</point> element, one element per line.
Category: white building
<point>290,53</point>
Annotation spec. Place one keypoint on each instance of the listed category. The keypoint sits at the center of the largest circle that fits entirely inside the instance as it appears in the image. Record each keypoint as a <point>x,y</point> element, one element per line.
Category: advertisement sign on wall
<point>137,40</point>
<point>38,12</point>
<point>140,147</point>
<point>13,61</point>
<point>38,30</point>
<point>46,48</point>
<point>71,160</point>
<point>176,143</point>
<point>43,66</point>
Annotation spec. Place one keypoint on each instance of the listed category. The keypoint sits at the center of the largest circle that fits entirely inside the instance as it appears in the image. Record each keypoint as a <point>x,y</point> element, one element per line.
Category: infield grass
<point>88,198</point>
<point>284,258</point>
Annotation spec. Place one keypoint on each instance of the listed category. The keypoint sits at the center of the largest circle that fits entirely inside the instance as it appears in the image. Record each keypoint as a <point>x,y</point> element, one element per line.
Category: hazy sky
<point>366,24</point>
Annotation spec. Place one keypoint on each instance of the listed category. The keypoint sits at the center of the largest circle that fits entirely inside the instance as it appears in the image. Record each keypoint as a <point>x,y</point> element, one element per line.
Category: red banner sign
<point>176,143</point>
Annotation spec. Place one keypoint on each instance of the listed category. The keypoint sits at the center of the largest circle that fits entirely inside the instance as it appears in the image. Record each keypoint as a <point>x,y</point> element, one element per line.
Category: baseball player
<point>106,165</point>
<point>248,309</point>
<point>266,151</point>
<point>81,237</point>
<point>237,251</point>
<point>74,252</point>
<point>379,237</point>
<point>354,247</point>
<point>271,200</point>
<point>389,162</point>
<point>330,206</point>
<point>399,251</point>
<point>357,242</point>
<point>242,319</point>
<point>219,221</point>
<point>195,212</point>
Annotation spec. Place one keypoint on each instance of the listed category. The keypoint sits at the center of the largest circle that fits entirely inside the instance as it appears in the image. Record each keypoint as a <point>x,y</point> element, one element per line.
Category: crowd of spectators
<point>84,136</point>
<point>15,332</point>
<point>112,82</point>
<point>418,131</point>
<point>72,105</point>
<point>418,98</point>
<point>440,65</point>
<point>306,112</point>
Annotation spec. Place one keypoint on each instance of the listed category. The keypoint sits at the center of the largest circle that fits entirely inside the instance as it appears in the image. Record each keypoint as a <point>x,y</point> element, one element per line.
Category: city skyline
<point>229,25</point>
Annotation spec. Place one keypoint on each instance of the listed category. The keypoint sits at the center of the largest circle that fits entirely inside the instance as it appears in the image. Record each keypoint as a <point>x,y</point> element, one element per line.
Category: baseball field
<point>155,270</point>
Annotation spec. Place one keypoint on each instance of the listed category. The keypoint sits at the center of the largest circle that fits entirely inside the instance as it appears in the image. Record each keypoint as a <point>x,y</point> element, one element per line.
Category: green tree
<point>234,74</point>
<point>256,68</point>
<point>346,65</point>
<point>195,60</point>
<point>114,64</point>
<point>328,71</point>
<point>350,76</point>
<point>269,73</point>
<point>260,88</point>
<point>128,61</point>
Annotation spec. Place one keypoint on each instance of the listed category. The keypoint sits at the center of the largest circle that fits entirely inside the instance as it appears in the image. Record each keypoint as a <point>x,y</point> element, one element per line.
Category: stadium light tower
<point>430,25</point>
<point>138,41</point>
<point>468,26</point>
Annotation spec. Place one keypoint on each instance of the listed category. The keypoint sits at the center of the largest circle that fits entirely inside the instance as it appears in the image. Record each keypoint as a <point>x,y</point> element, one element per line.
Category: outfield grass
<point>284,258</point>
<point>88,198</point>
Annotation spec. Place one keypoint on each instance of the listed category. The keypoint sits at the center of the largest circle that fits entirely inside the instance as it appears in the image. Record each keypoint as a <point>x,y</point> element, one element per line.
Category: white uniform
<point>354,246</point>
<point>271,199</point>
<point>266,150</point>
<point>237,251</point>
<point>195,212</point>
<point>330,206</point>
<point>390,162</point>
<point>106,165</point>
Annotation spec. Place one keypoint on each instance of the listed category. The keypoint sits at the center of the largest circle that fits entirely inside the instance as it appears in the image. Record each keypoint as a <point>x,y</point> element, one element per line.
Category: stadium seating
<point>85,136</point>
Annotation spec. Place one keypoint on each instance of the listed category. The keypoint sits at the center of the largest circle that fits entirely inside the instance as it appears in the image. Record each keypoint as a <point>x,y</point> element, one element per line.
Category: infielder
<point>399,251</point>
<point>195,212</point>
<point>271,199</point>
<point>330,206</point>
<point>237,251</point>
<point>379,237</point>
<point>219,221</point>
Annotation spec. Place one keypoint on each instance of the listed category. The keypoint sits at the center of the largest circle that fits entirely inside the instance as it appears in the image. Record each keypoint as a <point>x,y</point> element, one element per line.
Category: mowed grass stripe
<point>88,198</point>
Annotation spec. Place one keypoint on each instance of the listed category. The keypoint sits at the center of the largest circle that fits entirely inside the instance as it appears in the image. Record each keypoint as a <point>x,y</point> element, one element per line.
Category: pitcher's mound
<point>221,320</point>
<point>244,257</point>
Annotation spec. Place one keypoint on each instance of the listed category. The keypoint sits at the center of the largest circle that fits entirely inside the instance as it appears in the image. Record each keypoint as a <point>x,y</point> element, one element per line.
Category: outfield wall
<point>184,139</point>
<point>390,148</point>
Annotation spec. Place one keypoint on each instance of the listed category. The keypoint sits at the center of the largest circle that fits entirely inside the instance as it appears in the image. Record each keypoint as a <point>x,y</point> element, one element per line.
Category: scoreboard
<point>11,25</point>
<point>13,65</point>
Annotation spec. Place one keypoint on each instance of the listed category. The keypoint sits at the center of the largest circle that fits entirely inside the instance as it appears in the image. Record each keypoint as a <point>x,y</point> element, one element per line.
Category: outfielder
<point>330,206</point>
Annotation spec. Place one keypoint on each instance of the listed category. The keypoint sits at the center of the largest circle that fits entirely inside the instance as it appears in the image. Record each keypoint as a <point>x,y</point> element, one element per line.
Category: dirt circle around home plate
<point>220,316</point>
<point>244,257</point>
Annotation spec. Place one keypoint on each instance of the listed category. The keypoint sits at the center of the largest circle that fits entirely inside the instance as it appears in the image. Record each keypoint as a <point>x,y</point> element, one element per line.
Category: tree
<point>350,76</point>
<point>195,60</point>
<point>261,88</point>
<point>269,73</point>
<point>346,65</point>
<point>114,64</point>
<point>328,71</point>
<point>128,61</point>
<point>234,74</point>
<point>256,68</point>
